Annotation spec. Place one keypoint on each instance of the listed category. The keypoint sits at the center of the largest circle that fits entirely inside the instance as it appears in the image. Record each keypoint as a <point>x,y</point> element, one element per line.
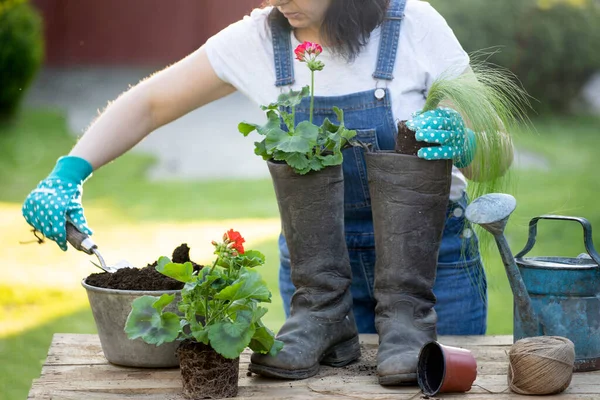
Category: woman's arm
<point>154,102</point>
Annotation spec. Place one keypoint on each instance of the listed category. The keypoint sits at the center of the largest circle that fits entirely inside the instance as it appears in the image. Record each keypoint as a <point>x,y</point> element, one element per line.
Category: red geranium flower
<point>307,48</point>
<point>236,238</point>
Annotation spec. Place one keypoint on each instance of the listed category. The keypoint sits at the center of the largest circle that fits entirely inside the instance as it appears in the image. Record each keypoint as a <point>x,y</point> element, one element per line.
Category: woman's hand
<point>58,199</point>
<point>446,130</point>
<point>158,100</point>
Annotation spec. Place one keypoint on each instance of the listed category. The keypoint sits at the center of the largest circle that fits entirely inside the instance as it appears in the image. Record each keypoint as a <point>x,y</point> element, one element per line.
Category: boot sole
<point>279,373</point>
<point>337,356</point>
<point>398,380</point>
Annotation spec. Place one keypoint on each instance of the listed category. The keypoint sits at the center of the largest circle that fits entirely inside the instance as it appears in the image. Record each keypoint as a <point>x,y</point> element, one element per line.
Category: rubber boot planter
<point>321,328</point>
<point>205,373</point>
<point>409,197</point>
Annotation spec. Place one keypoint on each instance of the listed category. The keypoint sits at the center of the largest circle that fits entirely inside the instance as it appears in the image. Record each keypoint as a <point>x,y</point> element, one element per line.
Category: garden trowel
<point>83,242</point>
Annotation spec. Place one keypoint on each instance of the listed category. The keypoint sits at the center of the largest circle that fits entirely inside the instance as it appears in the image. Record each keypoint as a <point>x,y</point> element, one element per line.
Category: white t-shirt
<point>242,55</point>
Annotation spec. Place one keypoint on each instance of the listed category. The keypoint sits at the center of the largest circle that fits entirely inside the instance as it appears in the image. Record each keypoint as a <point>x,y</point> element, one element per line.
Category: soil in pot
<point>146,279</point>
<point>406,142</point>
<point>205,373</point>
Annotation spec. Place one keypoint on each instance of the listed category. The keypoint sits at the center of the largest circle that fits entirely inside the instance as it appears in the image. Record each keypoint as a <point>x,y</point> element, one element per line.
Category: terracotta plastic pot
<point>445,369</point>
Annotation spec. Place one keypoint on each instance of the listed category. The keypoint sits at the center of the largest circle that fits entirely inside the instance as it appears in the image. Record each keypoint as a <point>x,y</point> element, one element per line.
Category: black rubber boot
<point>409,197</point>
<point>321,328</point>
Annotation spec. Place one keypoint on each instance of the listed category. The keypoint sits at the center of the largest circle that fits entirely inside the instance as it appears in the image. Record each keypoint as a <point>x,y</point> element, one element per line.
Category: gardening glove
<point>444,127</point>
<point>58,199</point>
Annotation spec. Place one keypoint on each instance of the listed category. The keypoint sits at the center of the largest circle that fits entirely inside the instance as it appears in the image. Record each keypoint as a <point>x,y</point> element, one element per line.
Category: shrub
<point>551,45</point>
<point>21,52</point>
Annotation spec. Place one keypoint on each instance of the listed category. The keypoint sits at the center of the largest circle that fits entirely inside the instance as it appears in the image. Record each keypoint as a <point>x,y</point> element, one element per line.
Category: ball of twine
<point>541,365</point>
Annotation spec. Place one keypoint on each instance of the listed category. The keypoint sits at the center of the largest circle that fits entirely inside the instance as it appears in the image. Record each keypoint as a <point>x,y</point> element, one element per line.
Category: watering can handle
<point>587,235</point>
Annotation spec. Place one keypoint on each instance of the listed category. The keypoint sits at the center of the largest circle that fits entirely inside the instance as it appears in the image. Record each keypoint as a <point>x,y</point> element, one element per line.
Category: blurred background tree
<point>551,45</point>
<point>21,52</point>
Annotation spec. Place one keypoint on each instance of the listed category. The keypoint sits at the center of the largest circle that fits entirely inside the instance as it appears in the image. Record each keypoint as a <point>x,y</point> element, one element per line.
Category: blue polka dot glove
<point>58,198</point>
<point>445,128</point>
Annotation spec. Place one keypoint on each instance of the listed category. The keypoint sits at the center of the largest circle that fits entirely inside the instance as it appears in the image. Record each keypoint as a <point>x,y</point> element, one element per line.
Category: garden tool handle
<point>79,240</point>
<point>587,235</point>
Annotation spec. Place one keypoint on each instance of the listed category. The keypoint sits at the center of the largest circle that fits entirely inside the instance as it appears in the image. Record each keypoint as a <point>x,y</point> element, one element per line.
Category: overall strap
<point>283,54</point>
<point>388,44</point>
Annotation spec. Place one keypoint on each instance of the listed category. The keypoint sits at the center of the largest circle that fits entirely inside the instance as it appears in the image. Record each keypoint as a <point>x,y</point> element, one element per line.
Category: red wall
<point>132,32</point>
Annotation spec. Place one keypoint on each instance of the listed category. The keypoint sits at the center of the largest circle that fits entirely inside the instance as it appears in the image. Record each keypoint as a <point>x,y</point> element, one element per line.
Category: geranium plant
<point>219,304</point>
<point>304,146</point>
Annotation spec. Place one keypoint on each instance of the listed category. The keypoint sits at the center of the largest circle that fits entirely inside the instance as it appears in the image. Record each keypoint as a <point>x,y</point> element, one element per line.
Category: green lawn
<point>29,148</point>
<point>569,188</point>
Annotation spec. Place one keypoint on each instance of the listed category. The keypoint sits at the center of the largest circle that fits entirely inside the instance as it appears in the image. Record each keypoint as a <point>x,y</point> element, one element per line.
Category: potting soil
<point>406,142</point>
<point>205,373</point>
<point>147,278</point>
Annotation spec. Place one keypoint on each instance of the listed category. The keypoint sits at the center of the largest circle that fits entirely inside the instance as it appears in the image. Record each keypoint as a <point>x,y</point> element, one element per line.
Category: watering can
<point>554,296</point>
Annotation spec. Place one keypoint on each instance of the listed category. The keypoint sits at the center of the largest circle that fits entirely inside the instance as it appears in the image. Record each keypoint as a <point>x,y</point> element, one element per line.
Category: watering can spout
<point>491,212</point>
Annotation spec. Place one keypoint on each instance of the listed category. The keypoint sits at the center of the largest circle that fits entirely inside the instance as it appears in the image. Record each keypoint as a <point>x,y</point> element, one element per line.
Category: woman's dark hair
<point>348,24</point>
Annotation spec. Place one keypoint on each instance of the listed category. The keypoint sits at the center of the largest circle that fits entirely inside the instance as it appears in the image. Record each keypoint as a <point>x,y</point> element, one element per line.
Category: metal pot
<point>110,308</point>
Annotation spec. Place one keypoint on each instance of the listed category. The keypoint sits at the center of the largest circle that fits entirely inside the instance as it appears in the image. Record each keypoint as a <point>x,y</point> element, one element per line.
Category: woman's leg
<point>461,292</point>
<point>460,286</point>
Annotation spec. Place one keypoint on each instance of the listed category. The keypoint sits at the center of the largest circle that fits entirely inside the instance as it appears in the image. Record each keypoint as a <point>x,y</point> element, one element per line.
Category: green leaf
<point>329,126</point>
<point>272,106</point>
<point>163,301</point>
<point>339,114</point>
<point>162,261</point>
<point>262,340</point>
<point>249,285</point>
<point>230,338</point>
<point>288,120</point>
<point>274,139</point>
<point>332,159</point>
<point>273,125</point>
<point>200,333</point>
<point>146,322</point>
<point>258,313</point>
<point>293,97</point>
<point>303,140</point>
<point>252,258</point>
<point>218,284</point>
<point>179,272</point>
<point>298,161</point>
<point>261,150</point>
<point>347,134</point>
<point>315,164</point>
<point>276,348</point>
<point>303,171</point>
<point>280,155</point>
<point>246,128</point>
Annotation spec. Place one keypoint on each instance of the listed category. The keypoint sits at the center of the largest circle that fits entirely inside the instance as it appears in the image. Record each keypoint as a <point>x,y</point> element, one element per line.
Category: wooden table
<point>76,369</point>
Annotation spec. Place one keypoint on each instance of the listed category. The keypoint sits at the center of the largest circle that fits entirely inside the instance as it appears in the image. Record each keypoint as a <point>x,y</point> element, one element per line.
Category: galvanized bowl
<point>110,308</point>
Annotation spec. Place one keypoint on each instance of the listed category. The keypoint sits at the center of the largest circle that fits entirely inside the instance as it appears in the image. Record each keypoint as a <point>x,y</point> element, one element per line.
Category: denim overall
<point>460,287</point>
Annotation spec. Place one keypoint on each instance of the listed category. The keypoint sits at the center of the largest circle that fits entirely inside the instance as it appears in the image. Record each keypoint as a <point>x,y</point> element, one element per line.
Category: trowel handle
<point>587,235</point>
<point>79,240</point>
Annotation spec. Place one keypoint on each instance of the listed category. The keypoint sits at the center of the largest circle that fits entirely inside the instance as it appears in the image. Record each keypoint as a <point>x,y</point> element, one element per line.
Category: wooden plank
<point>490,385</point>
<point>456,341</point>
<point>75,349</point>
<point>297,395</point>
<point>112,378</point>
<point>302,391</point>
<point>86,350</point>
<point>76,369</point>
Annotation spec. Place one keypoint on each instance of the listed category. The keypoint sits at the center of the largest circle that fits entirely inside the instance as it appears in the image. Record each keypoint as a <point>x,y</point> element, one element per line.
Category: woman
<point>400,47</point>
